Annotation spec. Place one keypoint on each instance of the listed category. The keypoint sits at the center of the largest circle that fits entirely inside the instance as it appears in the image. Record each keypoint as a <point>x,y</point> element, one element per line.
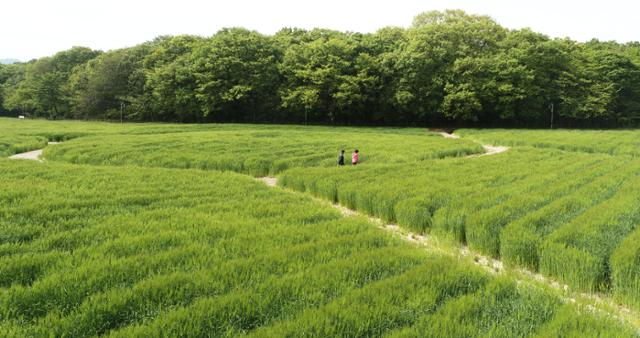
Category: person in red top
<point>355,157</point>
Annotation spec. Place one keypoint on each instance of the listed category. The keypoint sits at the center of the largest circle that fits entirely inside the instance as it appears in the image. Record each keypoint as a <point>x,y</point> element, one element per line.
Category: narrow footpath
<point>34,155</point>
<point>593,302</point>
<point>488,149</point>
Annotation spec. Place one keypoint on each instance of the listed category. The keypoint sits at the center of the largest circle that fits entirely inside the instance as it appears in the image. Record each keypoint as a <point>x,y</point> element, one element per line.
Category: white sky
<point>36,28</point>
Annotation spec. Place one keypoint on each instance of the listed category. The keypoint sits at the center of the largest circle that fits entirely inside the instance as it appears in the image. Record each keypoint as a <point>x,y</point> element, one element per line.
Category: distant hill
<point>8,61</point>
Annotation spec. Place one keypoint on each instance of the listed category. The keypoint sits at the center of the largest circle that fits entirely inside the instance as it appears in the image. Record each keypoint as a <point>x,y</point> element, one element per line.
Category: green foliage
<point>521,240</point>
<point>104,86</point>
<point>125,249</point>
<point>625,262</point>
<point>235,74</point>
<point>573,323</point>
<point>447,68</point>
<point>579,251</point>
<point>44,90</point>
<point>259,151</point>
<point>170,86</point>
<point>485,226</point>
<point>562,213</point>
<point>384,306</point>
<point>415,214</point>
<point>499,309</point>
<point>622,142</point>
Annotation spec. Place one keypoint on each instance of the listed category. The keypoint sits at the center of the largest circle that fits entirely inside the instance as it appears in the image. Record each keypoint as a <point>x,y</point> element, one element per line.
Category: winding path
<point>34,155</point>
<point>593,302</point>
<point>491,150</point>
<point>488,149</point>
<point>447,135</point>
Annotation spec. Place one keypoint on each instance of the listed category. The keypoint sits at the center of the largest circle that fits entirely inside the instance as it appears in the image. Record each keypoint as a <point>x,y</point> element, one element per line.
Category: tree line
<point>447,68</point>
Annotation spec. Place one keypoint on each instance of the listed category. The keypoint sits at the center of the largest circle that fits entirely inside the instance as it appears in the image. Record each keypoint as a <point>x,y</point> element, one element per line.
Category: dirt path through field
<point>34,155</point>
<point>447,135</point>
<point>488,149</point>
<point>492,265</point>
<point>270,181</point>
<point>491,150</point>
<point>593,302</point>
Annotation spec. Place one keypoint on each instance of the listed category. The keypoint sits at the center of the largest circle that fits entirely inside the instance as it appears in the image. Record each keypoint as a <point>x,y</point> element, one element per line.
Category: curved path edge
<point>592,302</point>
<point>488,149</point>
<point>33,155</point>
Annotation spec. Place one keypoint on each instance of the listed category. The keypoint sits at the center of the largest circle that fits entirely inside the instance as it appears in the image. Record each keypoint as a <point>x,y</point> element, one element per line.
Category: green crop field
<point>147,230</point>
<point>260,151</point>
<point>564,214</point>
<point>622,142</point>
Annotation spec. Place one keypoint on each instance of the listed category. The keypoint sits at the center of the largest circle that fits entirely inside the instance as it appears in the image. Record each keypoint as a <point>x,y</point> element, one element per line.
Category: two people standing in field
<point>355,157</point>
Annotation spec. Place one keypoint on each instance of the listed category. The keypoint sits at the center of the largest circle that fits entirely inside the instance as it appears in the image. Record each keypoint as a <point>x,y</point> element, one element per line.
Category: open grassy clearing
<point>147,252</point>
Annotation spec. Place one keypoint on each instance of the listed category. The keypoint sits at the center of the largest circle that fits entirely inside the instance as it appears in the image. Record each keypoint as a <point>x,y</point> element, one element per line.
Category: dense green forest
<point>447,68</point>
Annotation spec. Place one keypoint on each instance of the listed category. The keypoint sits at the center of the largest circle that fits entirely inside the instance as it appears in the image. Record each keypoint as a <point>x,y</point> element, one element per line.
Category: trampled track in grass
<point>596,302</point>
<point>276,315</point>
<point>258,150</point>
<point>488,149</point>
<point>178,253</point>
<point>34,155</point>
<point>432,244</point>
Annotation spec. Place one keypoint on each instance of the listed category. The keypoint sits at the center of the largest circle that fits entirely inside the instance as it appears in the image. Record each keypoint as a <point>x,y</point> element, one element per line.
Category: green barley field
<point>163,230</point>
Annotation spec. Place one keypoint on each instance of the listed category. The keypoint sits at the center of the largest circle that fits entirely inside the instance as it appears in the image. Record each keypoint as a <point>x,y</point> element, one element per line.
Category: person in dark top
<point>341,158</point>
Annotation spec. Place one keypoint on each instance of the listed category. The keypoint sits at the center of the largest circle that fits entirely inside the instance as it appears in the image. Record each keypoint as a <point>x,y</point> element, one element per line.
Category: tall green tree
<point>111,84</point>
<point>426,62</point>
<point>330,77</point>
<point>44,90</point>
<point>611,83</point>
<point>448,68</point>
<point>170,75</point>
<point>236,76</point>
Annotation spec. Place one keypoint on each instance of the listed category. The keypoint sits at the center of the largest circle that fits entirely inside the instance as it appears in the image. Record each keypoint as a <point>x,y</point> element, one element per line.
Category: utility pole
<point>551,108</point>
<point>121,109</point>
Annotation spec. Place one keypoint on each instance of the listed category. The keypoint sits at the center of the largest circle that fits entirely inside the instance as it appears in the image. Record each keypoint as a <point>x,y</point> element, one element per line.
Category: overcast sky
<point>36,28</point>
